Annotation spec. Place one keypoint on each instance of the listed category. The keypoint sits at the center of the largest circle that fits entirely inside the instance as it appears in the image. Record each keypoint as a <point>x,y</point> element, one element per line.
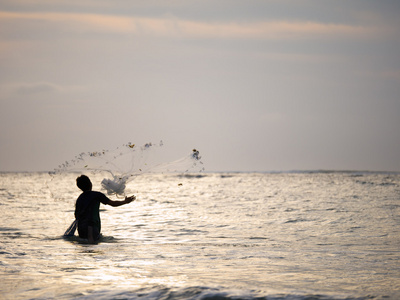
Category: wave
<point>209,293</point>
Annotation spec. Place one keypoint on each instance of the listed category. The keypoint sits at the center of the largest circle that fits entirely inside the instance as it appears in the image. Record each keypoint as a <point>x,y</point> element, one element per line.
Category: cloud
<point>37,88</point>
<point>267,30</point>
<point>386,74</point>
<point>179,28</point>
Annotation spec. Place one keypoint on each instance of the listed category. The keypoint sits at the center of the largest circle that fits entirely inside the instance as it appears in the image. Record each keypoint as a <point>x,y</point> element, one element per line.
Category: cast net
<point>124,163</point>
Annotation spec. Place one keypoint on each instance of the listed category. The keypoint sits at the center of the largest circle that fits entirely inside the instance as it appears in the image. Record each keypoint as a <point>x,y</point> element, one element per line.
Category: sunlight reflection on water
<point>295,234</point>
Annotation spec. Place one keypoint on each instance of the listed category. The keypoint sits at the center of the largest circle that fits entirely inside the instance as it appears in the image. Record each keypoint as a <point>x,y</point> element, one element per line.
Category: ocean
<point>294,235</point>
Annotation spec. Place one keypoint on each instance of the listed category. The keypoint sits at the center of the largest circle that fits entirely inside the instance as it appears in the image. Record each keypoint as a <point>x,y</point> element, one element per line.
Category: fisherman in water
<point>87,209</point>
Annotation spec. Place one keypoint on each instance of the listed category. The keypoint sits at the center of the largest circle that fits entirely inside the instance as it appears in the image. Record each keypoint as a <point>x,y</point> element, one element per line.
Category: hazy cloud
<point>37,88</point>
<point>180,28</point>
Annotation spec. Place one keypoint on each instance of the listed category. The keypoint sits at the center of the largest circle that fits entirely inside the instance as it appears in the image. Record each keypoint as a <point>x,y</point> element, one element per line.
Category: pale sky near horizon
<point>254,85</point>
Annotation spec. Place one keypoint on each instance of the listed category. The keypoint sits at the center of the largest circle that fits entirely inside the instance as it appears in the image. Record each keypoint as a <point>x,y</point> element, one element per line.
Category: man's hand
<point>121,202</point>
<point>130,199</point>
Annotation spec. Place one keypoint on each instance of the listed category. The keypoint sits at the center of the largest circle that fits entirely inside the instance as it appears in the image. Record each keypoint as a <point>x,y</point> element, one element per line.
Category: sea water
<point>305,235</point>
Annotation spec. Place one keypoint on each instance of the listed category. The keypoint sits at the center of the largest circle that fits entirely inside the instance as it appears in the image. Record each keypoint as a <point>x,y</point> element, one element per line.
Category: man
<point>87,209</point>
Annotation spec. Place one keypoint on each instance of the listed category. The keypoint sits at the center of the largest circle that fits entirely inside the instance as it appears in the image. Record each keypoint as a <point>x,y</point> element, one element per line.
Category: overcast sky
<point>254,85</point>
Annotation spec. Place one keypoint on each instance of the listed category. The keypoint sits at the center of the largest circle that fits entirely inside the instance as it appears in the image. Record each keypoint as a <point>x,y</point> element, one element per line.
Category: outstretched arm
<point>119,203</point>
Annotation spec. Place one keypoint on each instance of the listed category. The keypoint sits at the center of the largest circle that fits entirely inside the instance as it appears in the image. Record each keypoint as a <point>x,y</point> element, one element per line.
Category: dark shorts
<point>83,231</point>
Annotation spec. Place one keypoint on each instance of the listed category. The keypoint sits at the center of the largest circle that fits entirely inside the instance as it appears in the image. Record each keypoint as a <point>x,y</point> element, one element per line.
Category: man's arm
<point>119,203</point>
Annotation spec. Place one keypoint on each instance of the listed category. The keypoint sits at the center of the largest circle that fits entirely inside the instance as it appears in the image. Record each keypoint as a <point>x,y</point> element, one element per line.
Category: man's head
<point>83,182</point>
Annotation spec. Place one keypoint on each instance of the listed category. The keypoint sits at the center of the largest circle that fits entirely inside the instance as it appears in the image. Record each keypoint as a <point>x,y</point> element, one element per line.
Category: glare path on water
<point>326,235</point>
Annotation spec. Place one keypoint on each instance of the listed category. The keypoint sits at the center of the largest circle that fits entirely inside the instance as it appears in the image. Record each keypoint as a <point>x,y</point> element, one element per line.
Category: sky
<point>270,85</point>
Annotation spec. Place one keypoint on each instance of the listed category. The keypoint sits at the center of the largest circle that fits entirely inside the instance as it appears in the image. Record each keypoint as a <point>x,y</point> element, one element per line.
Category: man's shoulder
<point>92,195</point>
<point>100,196</point>
<point>97,193</point>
